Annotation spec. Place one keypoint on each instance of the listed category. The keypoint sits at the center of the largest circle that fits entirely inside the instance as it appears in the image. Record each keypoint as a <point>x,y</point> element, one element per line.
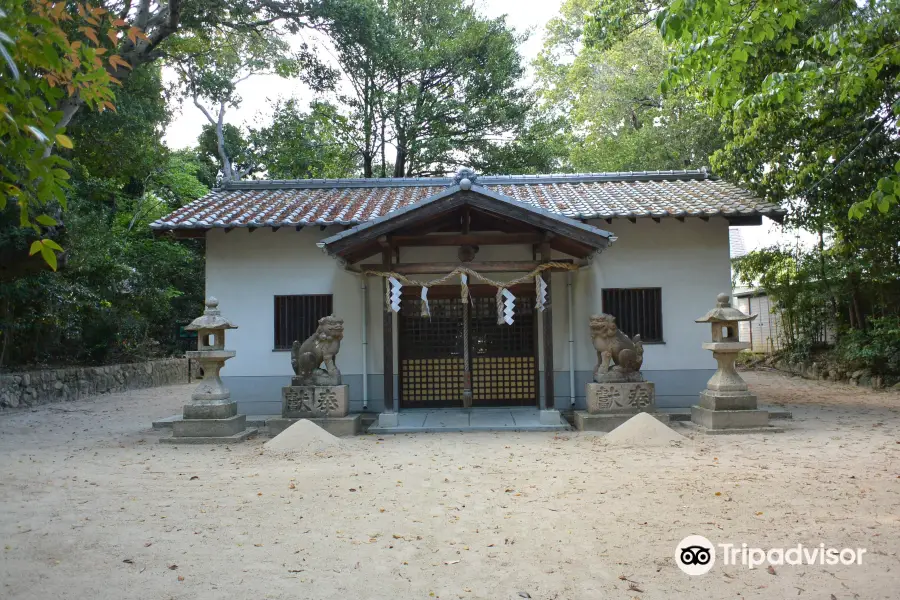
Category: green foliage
<point>55,56</point>
<point>801,291</point>
<point>434,80</point>
<point>806,89</point>
<point>877,349</point>
<point>120,292</point>
<point>298,145</point>
<point>539,145</point>
<point>617,118</point>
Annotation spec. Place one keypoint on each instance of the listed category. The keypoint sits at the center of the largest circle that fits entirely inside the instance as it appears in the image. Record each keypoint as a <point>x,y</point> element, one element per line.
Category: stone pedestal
<point>726,405</point>
<point>328,406</point>
<point>339,426</point>
<point>611,404</point>
<point>585,421</point>
<point>618,398</point>
<point>210,424</point>
<point>311,402</point>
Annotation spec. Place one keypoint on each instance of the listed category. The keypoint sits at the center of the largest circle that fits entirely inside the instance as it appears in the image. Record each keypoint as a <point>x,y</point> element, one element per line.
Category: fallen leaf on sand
<point>194,477</point>
<point>173,567</point>
<point>450,562</point>
<point>771,570</point>
<point>181,578</point>
<point>128,561</point>
<point>147,544</point>
<point>292,486</point>
<point>523,594</point>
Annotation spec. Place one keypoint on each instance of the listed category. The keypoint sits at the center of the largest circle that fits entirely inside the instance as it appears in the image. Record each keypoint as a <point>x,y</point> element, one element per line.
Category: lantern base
<point>210,410</point>
<point>732,421</point>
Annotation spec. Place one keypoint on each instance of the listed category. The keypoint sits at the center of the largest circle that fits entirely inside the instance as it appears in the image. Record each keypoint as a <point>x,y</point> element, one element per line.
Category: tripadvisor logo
<point>696,555</point>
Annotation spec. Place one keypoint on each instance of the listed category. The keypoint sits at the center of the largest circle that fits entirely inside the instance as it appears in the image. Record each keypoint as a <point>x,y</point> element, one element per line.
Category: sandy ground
<point>91,506</point>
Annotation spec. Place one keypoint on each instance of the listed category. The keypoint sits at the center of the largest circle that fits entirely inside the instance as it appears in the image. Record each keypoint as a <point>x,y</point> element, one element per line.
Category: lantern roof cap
<point>212,318</point>
<point>724,312</point>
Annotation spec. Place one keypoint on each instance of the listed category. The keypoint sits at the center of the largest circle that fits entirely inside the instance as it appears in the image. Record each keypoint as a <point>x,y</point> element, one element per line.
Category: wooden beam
<point>745,220</point>
<point>473,239</point>
<point>445,267</point>
<point>189,234</point>
<point>547,315</point>
<point>387,333</point>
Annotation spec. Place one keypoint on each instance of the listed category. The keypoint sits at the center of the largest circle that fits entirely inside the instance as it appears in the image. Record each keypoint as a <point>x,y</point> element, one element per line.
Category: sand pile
<point>302,437</point>
<point>642,430</point>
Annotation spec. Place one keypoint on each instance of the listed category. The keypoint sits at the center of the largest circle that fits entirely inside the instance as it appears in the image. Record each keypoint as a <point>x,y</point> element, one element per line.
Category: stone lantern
<point>211,417</point>
<point>726,405</point>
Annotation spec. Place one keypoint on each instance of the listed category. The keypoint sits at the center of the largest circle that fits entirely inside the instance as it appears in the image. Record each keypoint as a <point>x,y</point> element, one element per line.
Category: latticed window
<point>296,317</point>
<point>637,311</point>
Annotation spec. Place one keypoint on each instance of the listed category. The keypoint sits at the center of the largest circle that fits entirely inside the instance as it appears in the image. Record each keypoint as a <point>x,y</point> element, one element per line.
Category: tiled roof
<point>354,201</point>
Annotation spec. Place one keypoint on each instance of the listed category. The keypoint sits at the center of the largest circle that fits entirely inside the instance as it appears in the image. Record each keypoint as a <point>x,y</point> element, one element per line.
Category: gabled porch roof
<point>466,207</point>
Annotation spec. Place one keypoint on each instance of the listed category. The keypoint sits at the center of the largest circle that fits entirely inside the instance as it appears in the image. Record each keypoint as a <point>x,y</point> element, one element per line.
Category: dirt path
<point>94,508</point>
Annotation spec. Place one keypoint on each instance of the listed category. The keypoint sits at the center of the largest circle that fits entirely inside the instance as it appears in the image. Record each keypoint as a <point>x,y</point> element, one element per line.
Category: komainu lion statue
<point>619,359</point>
<point>322,346</point>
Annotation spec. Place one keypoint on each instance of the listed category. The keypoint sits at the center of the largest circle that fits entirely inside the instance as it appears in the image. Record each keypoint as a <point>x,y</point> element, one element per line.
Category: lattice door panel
<point>504,357</point>
<point>430,353</point>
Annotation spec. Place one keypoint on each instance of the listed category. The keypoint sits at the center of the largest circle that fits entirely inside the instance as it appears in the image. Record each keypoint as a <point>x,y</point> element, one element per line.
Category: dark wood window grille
<point>637,311</point>
<point>297,317</point>
<point>504,357</point>
<point>431,353</point>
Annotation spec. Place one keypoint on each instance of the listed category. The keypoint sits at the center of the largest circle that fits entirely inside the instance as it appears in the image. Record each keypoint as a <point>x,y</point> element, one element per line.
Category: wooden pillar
<point>547,399</point>
<point>390,405</point>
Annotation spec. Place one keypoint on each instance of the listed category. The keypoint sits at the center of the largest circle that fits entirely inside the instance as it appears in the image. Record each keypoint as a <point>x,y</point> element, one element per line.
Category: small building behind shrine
<point>650,248</point>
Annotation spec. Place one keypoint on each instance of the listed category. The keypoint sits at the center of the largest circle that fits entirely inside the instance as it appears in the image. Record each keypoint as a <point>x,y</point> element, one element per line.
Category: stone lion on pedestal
<point>321,346</point>
<point>619,359</point>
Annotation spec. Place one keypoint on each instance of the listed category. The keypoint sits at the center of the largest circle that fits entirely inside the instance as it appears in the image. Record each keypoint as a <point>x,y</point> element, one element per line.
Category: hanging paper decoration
<point>426,310</point>
<point>396,286</point>
<point>509,305</point>
<point>541,292</point>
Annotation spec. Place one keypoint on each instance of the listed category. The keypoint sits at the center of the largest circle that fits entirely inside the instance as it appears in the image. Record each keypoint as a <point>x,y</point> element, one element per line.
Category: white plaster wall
<point>689,261</point>
<point>246,270</point>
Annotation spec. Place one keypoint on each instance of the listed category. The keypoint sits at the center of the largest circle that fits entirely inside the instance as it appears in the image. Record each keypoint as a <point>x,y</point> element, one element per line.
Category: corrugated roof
<point>354,201</point>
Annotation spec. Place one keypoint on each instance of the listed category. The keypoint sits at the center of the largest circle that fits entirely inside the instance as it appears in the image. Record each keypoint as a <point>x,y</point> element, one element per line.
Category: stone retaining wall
<point>818,370</point>
<point>66,385</point>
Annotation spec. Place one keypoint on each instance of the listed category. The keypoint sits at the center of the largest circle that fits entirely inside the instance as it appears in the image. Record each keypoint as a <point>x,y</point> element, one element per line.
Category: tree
<point>56,56</point>
<point>432,79</point>
<point>210,64</point>
<point>802,88</point>
<point>618,119</point>
<point>122,290</point>
<point>298,145</point>
<point>67,55</point>
<point>361,32</point>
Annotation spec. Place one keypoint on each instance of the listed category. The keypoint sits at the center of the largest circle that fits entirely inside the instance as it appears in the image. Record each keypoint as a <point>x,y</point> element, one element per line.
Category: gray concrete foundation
<point>209,427</point>
<point>230,439</point>
<point>550,417</point>
<point>222,410</point>
<point>732,421</point>
<point>338,426</point>
<point>585,421</point>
